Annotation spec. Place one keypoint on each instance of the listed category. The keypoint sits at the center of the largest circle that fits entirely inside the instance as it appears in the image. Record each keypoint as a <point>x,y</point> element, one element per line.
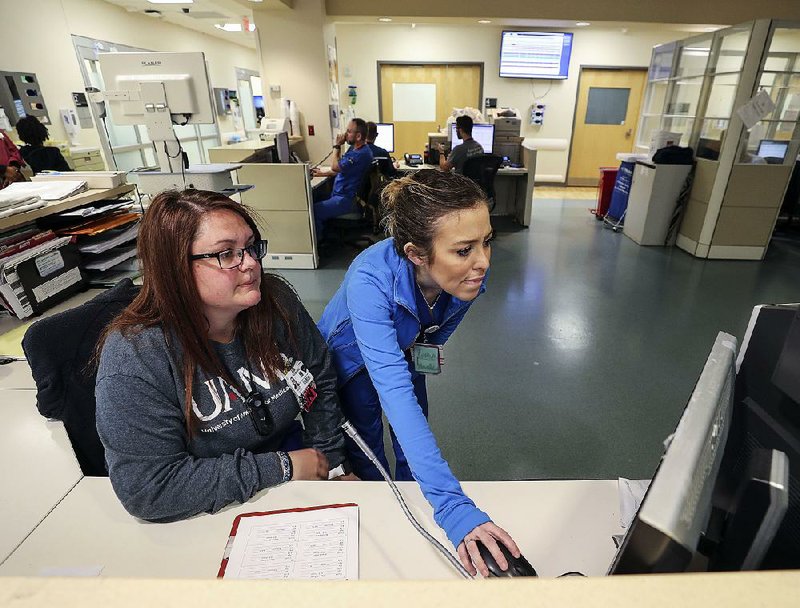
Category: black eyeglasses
<point>232,258</point>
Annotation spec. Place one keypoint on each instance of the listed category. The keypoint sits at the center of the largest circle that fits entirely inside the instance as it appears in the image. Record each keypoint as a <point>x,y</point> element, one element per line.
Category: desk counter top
<point>402,166</point>
<point>560,526</point>
<point>39,467</point>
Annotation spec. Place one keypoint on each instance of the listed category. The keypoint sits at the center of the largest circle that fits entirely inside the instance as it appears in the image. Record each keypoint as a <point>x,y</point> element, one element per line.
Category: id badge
<point>427,358</point>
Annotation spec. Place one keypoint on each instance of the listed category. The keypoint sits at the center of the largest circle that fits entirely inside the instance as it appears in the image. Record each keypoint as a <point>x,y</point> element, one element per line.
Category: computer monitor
<point>282,147</point>
<point>773,149</point>
<point>385,138</point>
<point>681,524</point>
<point>132,86</point>
<point>483,134</point>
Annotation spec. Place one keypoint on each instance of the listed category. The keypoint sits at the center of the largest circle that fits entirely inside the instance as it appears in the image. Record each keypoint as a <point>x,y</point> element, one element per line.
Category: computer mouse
<point>517,566</point>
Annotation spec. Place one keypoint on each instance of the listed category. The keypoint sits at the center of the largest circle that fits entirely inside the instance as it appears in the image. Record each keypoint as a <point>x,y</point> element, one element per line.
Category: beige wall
<point>292,45</point>
<point>50,23</point>
<point>361,46</point>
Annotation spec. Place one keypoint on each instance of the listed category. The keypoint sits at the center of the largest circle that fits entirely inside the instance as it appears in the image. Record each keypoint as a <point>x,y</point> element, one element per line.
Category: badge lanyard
<point>427,358</point>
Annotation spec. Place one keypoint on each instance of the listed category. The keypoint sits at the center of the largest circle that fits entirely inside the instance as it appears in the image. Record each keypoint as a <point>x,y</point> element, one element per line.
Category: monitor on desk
<point>483,134</point>
<point>699,513</point>
<point>385,138</point>
<point>773,150</point>
<point>282,147</point>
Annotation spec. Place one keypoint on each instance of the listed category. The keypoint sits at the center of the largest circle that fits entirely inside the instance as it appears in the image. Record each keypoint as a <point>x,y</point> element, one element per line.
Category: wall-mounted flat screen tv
<point>535,55</point>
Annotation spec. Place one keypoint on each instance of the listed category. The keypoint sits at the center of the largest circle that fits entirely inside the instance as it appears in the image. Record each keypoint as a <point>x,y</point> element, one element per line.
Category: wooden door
<point>455,86</point>
<point>606,118</point>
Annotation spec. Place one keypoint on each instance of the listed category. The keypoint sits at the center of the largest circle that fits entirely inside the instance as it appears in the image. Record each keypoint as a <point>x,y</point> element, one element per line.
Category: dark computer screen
<point>712,504</point>
<point>772,148</point>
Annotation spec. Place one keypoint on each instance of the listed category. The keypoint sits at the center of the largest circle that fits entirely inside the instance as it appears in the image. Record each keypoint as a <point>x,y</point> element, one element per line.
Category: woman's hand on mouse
<point>309,464</point>
<point>489,534</point>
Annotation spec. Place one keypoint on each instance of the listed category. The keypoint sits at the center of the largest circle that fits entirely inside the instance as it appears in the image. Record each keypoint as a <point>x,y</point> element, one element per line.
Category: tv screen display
<point>535,55</point>
<point>385,138</point>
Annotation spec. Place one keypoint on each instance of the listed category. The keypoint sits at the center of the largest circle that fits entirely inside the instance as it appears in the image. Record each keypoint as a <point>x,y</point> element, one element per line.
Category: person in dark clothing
<point>202,377</point>
<point>11,162</point>
<point>381,155</point>
<point>36,154</point>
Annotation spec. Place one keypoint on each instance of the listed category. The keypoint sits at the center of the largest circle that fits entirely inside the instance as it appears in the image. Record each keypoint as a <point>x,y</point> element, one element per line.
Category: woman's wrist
<point>286,466</point>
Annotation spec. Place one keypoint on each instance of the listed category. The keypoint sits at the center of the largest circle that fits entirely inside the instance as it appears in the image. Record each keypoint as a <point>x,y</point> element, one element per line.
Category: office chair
<point>482,169</point>
<point>355,229</point>
<point>63,375</point>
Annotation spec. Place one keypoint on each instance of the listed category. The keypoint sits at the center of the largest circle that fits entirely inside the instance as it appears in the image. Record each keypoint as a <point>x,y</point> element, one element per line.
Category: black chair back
<point>482,169</point>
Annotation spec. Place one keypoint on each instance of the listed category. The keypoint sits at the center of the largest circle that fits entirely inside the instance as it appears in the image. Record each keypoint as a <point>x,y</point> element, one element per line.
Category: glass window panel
<point>650,124</point>
<point>685,95</point>
<point>721,96</point>
<point>679,125</point>
<point>193,152</point>
<point>661,64</point>
<point>693,58</point>
<point>129,160</point>
<point>209,130</point>
<point>731,53</point>
<point>777,64</point>
<point>785,40</point>
<point>150,156</point>
<point>654,98</point>
<point>607,106</point>
<point>763,145</point>
<point>710,141</point>
<point>184,131</point>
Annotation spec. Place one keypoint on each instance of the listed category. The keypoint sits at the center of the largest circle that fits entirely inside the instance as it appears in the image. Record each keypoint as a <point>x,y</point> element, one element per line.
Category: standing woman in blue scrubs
<point>399,302</point>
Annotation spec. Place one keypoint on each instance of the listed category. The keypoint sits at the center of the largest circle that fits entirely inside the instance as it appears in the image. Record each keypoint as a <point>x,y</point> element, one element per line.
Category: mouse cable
<point>353,434</point>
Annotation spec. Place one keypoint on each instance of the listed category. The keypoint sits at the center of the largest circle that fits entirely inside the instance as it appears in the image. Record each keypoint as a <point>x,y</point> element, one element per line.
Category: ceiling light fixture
<point>171,1</point>
<point>234,27</point>
<point>484,21</point>
<point>582,23</point>
<point>384,19</point>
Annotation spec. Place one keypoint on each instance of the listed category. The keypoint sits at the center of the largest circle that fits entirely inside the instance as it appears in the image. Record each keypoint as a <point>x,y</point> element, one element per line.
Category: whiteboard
<point>413,101</point>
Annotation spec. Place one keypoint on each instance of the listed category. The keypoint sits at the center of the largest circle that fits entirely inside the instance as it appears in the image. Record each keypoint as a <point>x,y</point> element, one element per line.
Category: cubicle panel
<point>227,155</point>
<point>696,208</point>
<point>278,187</point>
<point>744,227</point>
<point>286,231</point>
<point>757,186</point>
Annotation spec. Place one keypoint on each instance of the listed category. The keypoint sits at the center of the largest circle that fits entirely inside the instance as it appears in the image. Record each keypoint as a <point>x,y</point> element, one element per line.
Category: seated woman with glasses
<point>202,377</point>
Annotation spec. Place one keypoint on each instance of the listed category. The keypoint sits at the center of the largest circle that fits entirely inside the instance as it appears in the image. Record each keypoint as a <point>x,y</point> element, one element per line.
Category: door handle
<point>628,133</point>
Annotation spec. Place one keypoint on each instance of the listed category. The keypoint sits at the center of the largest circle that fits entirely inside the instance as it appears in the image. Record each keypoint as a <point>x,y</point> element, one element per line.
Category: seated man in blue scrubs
<point>349,170</point>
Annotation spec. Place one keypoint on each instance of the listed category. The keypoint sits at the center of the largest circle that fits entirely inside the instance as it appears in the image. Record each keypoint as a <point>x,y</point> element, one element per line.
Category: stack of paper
<point>17,202</point>
<point>47,191</point>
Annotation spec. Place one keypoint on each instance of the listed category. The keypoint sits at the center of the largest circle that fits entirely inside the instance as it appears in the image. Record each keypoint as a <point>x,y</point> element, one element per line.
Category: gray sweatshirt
<point>157,471</point>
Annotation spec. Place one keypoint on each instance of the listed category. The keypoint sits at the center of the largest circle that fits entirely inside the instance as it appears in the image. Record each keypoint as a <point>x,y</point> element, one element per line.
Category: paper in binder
<point>41,276</point>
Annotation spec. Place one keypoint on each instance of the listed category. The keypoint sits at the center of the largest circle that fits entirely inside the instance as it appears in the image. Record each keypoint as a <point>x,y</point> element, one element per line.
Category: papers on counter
<point>314,543</point>
<point>47,191</point>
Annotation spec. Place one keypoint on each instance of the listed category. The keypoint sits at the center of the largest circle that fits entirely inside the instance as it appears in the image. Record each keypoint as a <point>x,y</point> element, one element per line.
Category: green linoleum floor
<point>579,359</point>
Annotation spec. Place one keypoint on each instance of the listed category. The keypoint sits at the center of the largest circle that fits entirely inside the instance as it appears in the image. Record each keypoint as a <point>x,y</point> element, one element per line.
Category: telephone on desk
<point>413,160</point>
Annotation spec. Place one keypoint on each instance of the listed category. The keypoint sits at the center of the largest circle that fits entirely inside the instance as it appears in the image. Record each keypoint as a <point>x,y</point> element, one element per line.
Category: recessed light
<point>484,20</point>
<point>582,23</point>
<point>385,19</point>
<point>233,27</point>
<point>171,1</point>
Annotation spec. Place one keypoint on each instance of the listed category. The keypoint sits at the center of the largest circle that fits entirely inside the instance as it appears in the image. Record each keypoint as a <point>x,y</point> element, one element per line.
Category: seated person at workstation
<point>202,377</point>
<point>36,154</point>
<point>463,151</point>
<point>385,162</point>
<point>349,170</point>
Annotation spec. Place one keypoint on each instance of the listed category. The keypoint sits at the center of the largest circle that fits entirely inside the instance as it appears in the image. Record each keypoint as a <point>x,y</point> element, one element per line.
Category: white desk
<point>513,189</point>
<point>16,376</point>
<point>39,467</point>
<point>559,525</point>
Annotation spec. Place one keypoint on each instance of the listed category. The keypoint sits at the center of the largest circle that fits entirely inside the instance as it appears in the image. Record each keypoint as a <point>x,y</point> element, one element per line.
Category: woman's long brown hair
<point>169,296</point>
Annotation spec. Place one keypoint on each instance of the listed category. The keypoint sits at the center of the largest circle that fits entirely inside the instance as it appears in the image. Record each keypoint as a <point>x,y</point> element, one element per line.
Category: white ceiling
<point>202,15</point>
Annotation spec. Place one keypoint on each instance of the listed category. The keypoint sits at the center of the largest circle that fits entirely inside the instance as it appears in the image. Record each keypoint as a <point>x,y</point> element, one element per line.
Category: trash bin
<point>652,202</point>
<point>605,187</point>
<point>619,196</point>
